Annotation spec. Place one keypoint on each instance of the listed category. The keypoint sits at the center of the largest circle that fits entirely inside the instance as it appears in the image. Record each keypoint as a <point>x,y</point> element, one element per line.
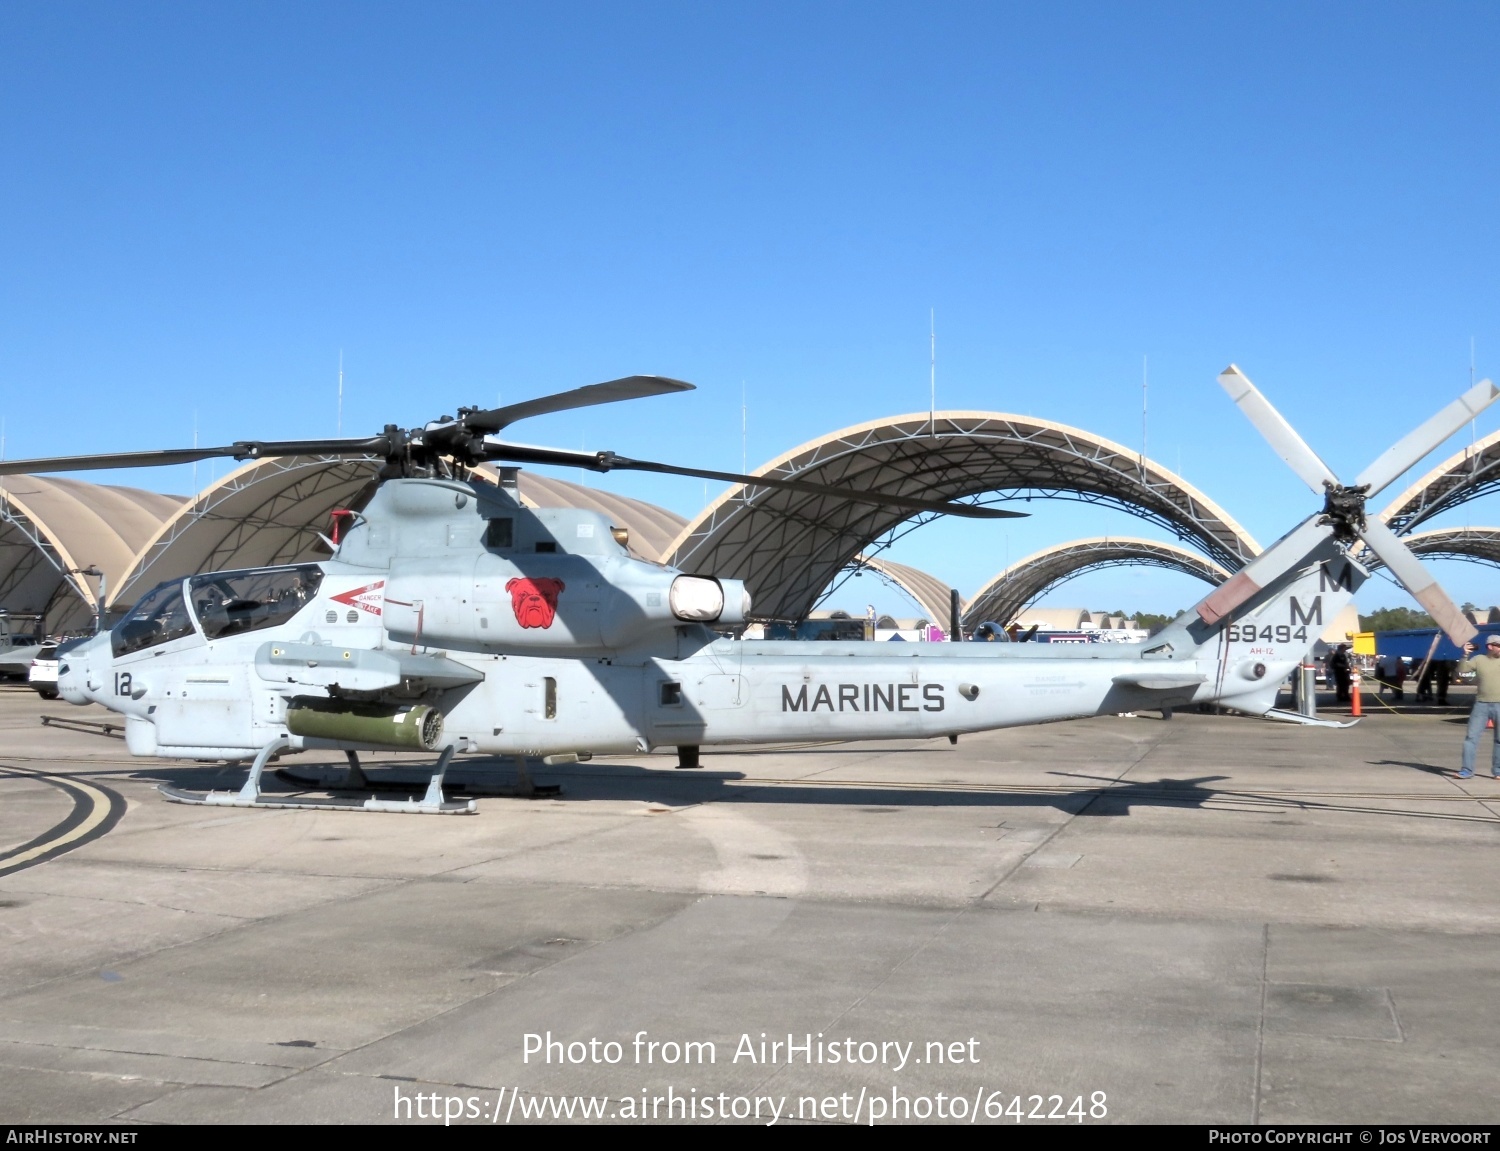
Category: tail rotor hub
<point>1344,510</point>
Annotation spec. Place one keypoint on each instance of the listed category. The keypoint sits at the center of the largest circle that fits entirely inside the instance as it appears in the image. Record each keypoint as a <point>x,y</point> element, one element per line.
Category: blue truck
<point>1415,643</point>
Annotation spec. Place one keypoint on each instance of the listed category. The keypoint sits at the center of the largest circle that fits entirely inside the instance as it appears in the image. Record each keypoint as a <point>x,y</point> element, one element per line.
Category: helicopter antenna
<point>195,445</point>
<point>339,427</point>
<point>1144,380</point>
<point>1473,426</point>
<point>744,439</point>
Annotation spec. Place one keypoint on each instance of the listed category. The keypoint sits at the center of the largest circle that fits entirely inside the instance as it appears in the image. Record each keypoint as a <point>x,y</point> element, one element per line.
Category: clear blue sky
<point>201,204</point>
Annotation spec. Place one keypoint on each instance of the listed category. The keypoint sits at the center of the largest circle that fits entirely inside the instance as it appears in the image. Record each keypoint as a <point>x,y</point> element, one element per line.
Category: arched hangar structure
<point>270,511</point>
<point>1462,477</point>
<point>788,546</point>
<point>931,594</point>
<point>1480,544</point>
<point>1025,582</point>
<point>51,527</point>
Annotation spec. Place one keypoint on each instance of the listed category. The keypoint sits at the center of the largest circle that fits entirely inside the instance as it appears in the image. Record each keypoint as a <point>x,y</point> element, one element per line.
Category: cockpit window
<point>161,615</point>
<point>228,603</point>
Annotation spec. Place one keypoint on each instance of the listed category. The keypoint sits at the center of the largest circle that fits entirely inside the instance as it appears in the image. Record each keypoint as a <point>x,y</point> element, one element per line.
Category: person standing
<point>1486,669</point>
<point>1338,667</point>
<point>1442,676</point>
<point>1385,673</point>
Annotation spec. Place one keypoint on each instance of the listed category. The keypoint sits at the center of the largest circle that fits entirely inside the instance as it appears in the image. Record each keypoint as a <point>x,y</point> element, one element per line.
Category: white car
<point>43,674</point>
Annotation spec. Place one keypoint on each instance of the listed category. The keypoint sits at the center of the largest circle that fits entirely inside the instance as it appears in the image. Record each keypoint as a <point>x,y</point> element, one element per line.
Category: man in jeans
<point>1486,669</point>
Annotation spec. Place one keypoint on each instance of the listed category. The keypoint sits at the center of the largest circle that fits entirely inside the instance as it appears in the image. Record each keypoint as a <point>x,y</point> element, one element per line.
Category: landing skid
<point>1306,720</point>
<point>432,803</point>
<point>329,778</point>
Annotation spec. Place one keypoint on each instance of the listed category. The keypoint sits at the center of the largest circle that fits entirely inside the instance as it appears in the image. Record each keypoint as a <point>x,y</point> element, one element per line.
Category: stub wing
<point>356,669</point>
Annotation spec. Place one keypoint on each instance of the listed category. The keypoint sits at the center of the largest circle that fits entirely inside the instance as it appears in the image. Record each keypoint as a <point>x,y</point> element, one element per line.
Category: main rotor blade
<point>492,420</point>
<point>1280,434</point>
<point>1412,447</point>
<point>1280,557</point>
<point>245,450</point>
<point>608,461</point>
<point>353,448</point>
<point>112,460</point>
<point>1416,579</point>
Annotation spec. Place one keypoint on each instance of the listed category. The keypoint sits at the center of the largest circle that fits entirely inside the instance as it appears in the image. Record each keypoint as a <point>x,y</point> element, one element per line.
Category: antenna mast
<point>1473,425</point>
<point>932,398</point>
<point>340,427</point>
<point>1144,381</point>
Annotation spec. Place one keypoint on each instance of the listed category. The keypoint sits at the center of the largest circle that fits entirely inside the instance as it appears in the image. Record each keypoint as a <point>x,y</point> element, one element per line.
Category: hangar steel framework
<point>1016,588</point>
<point>1481,545</point>
<point>268,512</point>
<point>931,594</point>
<point>788,546</point>
<point>51,527</point>
<point>1462,477</point>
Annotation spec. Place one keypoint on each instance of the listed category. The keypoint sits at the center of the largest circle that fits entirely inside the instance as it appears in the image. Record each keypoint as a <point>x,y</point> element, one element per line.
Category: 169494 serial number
<point>1268,633</point>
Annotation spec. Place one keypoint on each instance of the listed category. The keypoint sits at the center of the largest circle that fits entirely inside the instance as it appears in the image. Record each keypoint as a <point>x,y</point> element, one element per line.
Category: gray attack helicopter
<point>451,619</point>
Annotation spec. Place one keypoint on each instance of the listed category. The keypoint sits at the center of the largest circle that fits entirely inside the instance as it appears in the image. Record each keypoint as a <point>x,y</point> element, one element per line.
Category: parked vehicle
<point>18,643</point>
<point>43,674</point>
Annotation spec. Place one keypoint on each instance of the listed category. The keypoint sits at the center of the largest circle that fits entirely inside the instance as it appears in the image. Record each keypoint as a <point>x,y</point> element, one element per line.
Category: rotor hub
<point>1344,510</point>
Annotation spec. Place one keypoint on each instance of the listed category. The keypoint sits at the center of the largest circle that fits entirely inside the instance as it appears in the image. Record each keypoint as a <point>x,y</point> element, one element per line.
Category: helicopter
<point>451,619</point>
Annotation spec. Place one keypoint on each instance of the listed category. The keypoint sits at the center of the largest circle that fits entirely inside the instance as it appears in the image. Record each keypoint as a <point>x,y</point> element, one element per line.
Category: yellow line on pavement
<point>98,813</point>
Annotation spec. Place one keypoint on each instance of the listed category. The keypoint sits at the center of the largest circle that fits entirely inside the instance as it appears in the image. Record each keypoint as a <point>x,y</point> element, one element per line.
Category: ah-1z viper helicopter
<point>453,619</point>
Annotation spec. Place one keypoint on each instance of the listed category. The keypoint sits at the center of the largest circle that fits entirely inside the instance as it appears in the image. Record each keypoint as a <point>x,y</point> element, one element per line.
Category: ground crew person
<point>1338,669</point>
<point>1486,669</point>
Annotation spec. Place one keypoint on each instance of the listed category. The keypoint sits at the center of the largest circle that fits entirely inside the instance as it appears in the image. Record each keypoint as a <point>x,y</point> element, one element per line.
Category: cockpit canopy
<point>221,603</point>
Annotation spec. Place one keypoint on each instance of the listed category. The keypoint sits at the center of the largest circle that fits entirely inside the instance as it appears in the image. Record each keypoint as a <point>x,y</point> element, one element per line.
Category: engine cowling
<point>554,602</point>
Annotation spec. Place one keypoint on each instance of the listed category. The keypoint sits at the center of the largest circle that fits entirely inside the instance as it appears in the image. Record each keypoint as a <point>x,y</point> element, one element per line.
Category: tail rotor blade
<point>1416,579</point>
<point>1280,434</point>
<point>1416,444</point>
<point>1285,554</point>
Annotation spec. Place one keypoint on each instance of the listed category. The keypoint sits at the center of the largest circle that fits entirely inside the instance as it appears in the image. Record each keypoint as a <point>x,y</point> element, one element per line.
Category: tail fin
<point>1254,648</point>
